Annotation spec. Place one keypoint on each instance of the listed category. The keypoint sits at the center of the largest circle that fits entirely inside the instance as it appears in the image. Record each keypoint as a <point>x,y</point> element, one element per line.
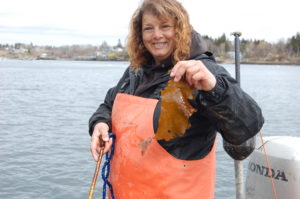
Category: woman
<point>161,39</point>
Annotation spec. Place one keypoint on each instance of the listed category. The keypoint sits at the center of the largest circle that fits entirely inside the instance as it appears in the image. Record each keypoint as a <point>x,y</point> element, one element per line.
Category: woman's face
<point>158,36</point>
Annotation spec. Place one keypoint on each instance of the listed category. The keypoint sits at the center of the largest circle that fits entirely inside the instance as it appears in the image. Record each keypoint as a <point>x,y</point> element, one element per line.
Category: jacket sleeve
<point>103,113</point>
<point>232,111</point>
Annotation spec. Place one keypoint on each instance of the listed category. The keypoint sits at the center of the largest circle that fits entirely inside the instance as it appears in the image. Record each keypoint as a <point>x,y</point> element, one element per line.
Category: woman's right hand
<point>100,134</point>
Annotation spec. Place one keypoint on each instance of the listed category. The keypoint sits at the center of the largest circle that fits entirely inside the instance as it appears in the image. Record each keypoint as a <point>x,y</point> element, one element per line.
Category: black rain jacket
<point>226,109</point>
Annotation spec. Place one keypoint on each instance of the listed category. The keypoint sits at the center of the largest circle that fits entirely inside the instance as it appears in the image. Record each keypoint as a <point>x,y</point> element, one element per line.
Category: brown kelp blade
<point>175,110</point>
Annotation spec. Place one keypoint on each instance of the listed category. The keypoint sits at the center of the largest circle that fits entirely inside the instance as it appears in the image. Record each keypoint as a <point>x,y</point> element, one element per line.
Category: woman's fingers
<point>179,70</point>
<point>107,141</point>
<point>195,73</point>
<point>187,68</point>
<point>100,136</point>
<point>190,74</point>
<point>95,147</point>
<point>201,83</point>
<point>108,145</point>
<point>104,135</point>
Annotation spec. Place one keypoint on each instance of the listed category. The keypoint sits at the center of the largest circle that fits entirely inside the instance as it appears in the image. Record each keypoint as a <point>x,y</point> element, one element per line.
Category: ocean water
<point>44,112</point>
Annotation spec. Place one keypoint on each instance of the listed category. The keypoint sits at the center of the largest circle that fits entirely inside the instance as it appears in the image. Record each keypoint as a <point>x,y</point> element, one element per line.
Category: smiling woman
<point>162,45</point>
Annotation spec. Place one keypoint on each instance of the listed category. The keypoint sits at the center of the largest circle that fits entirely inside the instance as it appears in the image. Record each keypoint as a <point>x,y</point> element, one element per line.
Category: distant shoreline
<point>271,63</point>
<point>219,61</point>
<point>261,63</point>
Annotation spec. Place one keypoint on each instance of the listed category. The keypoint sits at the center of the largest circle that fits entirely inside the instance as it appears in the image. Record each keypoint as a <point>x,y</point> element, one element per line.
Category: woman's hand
<point>100,134</point>
<point>195,73</point>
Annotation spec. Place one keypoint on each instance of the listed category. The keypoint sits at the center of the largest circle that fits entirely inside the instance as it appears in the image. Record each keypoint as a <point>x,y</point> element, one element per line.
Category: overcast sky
<point>66,22</point>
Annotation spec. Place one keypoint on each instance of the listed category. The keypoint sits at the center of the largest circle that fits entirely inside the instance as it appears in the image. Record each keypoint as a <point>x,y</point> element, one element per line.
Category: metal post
<point>242,151</point>
<point>239,179</point>
<point>238,164</point>
<point>237,56</point>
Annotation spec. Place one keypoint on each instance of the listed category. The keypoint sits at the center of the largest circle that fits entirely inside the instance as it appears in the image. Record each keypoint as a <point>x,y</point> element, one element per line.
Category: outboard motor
<point>284,157</point>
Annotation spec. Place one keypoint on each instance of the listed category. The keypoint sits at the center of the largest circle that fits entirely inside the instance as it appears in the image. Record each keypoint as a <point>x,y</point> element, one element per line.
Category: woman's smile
<point>159,45</point>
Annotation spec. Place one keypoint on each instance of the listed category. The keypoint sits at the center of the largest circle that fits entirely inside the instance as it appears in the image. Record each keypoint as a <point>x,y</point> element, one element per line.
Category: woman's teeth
<point>159,45</point>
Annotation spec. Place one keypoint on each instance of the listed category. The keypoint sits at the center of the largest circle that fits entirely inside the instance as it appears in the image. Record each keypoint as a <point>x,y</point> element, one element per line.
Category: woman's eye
<point>148,28</point>
<point>166,26</point>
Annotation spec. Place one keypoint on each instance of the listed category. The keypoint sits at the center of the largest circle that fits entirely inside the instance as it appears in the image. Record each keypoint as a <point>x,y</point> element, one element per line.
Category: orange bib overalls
<point>142,169</point>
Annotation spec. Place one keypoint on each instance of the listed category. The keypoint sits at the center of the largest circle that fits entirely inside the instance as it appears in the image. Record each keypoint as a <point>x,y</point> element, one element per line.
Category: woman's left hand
<point>195,73</point>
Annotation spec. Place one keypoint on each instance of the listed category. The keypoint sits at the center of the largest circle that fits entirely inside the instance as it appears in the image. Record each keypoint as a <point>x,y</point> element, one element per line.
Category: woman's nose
<point>157,33</point>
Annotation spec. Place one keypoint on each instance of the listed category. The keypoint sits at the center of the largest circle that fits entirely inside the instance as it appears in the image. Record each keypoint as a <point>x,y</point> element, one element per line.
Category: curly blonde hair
<point>164,9</point>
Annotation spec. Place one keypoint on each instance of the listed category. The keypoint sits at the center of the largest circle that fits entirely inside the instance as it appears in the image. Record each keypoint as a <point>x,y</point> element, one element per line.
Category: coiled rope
<point>106,169</point>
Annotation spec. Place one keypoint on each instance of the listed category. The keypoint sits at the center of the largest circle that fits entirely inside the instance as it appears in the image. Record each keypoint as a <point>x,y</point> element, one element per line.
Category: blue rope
<point>106,169</point>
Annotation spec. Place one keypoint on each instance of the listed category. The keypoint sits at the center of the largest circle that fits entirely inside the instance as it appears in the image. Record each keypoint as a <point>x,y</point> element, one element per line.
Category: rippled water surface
<point>45,107</point>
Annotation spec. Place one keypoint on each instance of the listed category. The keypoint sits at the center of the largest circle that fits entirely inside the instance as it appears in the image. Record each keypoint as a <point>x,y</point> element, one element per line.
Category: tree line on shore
<point>252,51</point>
<point>257,51</point>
